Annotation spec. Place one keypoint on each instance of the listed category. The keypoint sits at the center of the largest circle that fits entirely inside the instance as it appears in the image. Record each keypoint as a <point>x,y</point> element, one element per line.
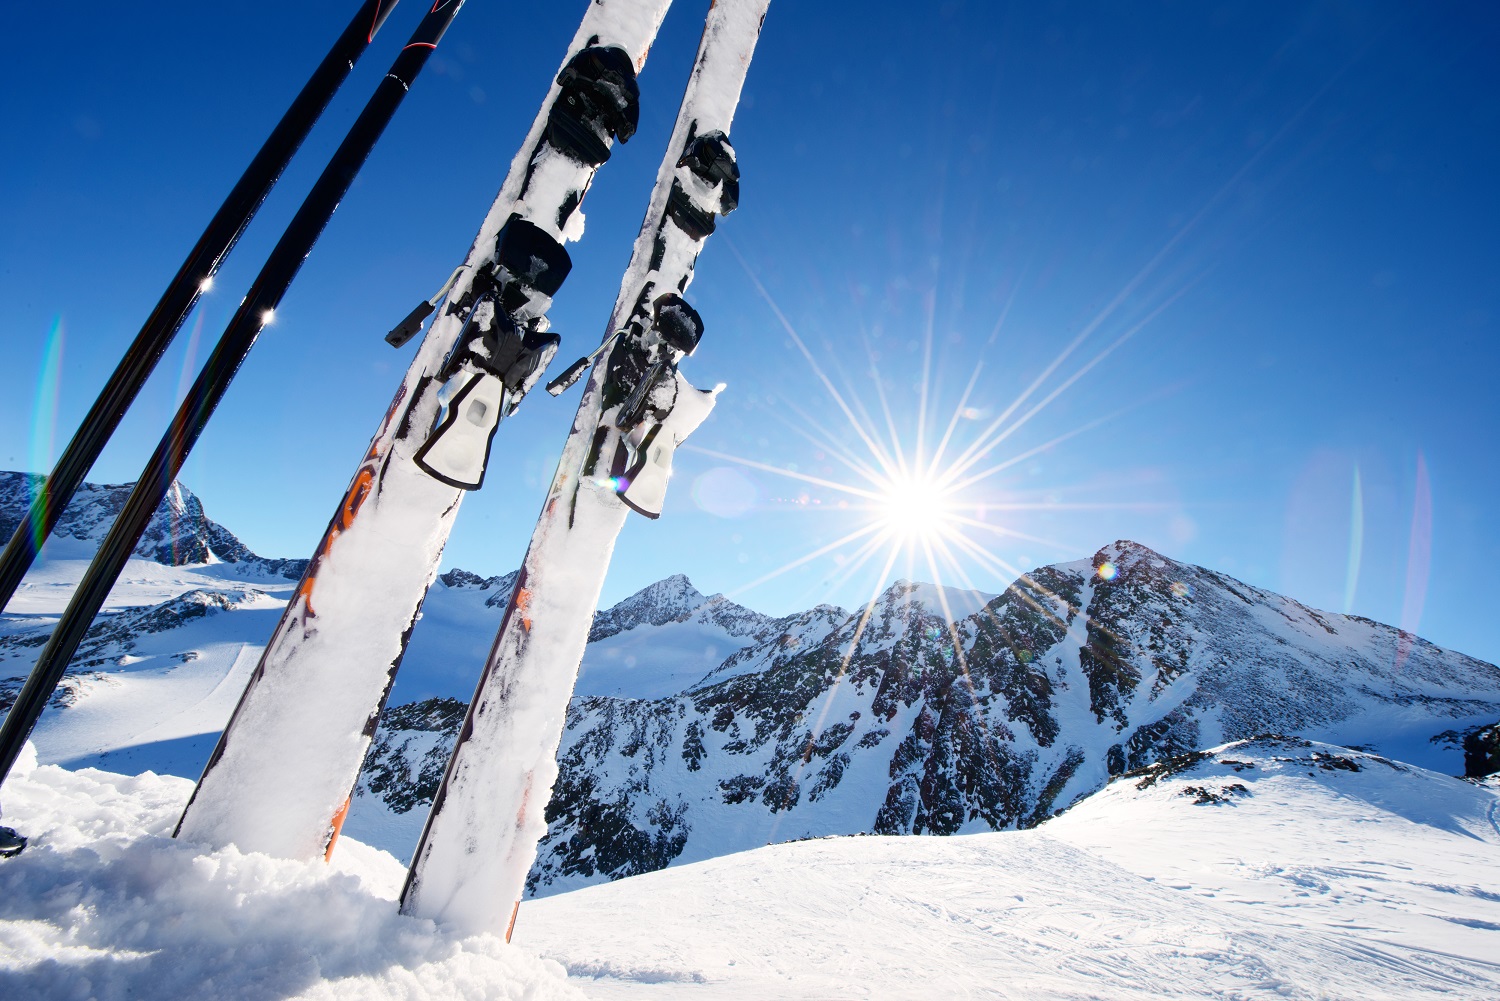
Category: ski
<point>481,834</point>
<point>202,263</point>
<point>255,310</point>
<point>280,778</point>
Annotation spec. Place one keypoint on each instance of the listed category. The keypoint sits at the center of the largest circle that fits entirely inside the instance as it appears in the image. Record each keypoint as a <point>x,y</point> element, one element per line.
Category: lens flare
<point>1356,542</point>
<point>44,418</point>
<point>1418,562</point>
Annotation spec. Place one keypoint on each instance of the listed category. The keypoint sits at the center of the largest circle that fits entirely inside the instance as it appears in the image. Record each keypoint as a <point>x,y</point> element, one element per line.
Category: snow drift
<point>104,904</point>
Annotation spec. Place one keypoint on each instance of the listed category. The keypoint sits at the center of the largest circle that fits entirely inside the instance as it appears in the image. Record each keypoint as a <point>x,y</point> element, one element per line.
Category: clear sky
<point>1244,256</point>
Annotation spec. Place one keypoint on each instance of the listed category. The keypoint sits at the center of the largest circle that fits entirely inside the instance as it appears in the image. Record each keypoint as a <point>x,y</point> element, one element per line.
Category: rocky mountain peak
<point>179,533</point>
<point>465,580</point>
<point>669,600</point>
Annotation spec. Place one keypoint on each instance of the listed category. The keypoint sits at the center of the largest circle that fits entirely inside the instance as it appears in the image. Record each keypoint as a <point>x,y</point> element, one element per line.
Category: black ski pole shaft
<point>182,293</point>
<point>208,389</point>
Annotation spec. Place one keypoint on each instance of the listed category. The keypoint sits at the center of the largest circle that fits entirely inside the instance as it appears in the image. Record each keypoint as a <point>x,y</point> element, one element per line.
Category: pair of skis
<point>280,779</point>
<point>234,344</point>
<point>485,822</point>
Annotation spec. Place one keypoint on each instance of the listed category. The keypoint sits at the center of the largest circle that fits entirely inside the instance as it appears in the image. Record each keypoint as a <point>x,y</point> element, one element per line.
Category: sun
<point>931,497</point>
<point>913,508</point>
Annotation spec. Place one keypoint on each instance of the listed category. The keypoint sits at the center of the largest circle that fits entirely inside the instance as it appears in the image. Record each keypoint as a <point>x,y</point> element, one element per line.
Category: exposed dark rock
<point>1203,795</point>
<point>1482,752</point>
<point>909,724</point>
<point>406,762</point>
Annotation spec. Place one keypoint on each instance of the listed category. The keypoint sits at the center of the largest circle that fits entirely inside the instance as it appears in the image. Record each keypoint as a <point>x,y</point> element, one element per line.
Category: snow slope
<point>1268,868</point>
<point>1316,881</point>
<point>1396,853</point>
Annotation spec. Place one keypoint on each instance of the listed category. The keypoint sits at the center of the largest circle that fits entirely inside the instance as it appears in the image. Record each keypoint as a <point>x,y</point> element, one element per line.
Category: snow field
<point>1396,854</point>
<point>1380,883</point>
<point>1364,879</point>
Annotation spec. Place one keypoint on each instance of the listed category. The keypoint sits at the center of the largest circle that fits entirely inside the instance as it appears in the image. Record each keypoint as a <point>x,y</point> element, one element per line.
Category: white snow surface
<point>161,705</point>
<point>654,662</point>
<point>1315,881</point>
<point>104,904</point>
<point>1381,883</point>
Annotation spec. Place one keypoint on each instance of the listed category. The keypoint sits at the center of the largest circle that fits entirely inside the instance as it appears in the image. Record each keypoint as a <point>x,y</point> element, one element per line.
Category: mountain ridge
<point>1078,672</point>
<point>701,727</point>
<point>178,534</point>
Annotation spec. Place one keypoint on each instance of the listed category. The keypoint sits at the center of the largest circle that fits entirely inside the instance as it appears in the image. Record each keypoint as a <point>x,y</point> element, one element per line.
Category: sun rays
<point>914,482</point>
<point>924,489</point>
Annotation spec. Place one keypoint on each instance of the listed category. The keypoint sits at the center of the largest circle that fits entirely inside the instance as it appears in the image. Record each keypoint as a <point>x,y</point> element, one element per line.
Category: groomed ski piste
<point>1266,868</point>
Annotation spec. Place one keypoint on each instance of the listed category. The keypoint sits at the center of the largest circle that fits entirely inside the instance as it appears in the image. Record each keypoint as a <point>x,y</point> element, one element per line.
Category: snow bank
<point>104,904</point>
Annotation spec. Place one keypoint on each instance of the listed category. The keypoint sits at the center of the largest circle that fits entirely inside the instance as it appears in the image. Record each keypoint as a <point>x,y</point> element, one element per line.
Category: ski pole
<point>208,389</point>
<point>182,293</point>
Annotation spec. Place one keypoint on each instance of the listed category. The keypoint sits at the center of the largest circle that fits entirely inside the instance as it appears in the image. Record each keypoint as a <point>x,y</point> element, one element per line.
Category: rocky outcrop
<point>1482,752</point>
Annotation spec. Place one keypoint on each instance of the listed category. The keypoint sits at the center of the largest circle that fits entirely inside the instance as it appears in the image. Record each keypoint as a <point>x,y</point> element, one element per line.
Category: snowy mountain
<point>700,727</point>
<point>158,674</point>
<point>1267,868</point>
<point>179,533</point>
<point>1077,673</point>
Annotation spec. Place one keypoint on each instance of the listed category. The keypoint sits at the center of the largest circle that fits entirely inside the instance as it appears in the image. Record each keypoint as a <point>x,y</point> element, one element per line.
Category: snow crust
<point>104,904</point>
<point>1266,868</point>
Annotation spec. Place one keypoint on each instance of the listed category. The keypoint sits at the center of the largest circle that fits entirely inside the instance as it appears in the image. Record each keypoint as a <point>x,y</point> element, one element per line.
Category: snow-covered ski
<point>280,778</point>
<point>481,834</point>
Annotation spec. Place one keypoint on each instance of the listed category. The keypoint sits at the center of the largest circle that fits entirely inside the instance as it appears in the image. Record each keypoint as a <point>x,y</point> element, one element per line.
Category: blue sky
<point>1289,209</point>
